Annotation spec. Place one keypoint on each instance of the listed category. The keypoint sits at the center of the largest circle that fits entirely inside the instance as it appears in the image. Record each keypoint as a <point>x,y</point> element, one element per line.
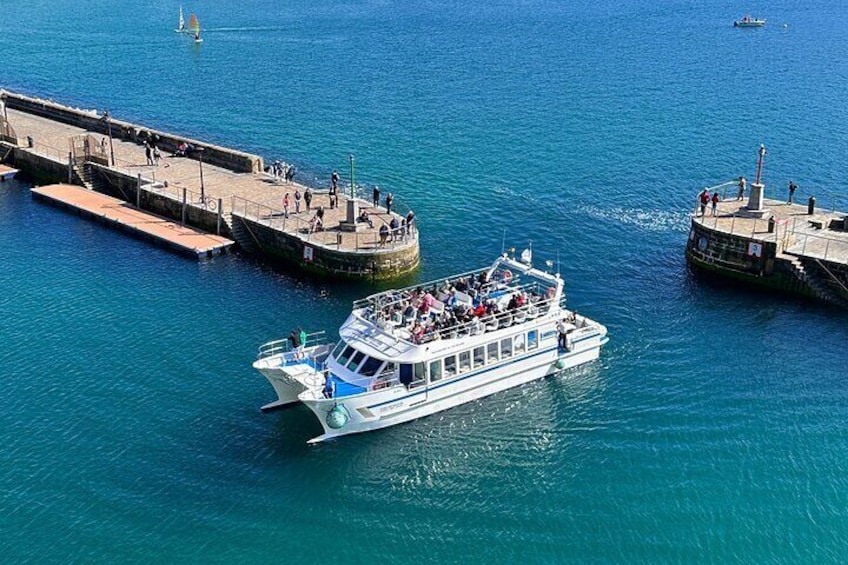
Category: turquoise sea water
<point>714,427</point>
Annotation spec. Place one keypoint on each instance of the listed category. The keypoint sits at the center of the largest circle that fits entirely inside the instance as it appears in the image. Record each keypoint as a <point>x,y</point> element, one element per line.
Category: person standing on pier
<point>296,200</point>
<point>307,198</point>
<point>335,181</point>
<point>375,197</point>
<point>148,153</point>
<point>286,204</point>
<point>742,183</point>
<point>792,188</point>
<point>716,198</point>
<point>410,217</point>
<point>333,195</point>
<point>389,200</point>
<point>156,155</point>
<point>704,198</point>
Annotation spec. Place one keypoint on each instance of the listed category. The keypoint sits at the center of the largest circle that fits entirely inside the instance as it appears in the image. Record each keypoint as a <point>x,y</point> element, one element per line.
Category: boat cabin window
<point>412,375</point>
<point>450,366</point>
<point>371,367</point>
<point>435,370</point>
<point>464,361</point>
<point>357,359</point>
<point>518,344</point>
<point>419,374</point>
<point>337,350</point>
<point>506,348</point>
<point>532,340</point>
<point>345,355</point>
<point>493,352</point>
<point>479,357</point>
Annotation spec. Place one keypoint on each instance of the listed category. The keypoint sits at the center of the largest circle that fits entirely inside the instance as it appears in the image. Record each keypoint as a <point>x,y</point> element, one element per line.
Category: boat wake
<point>648,220</point>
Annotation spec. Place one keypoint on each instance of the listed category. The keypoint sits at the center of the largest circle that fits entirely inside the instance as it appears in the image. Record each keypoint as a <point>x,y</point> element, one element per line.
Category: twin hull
<point>382,408</point>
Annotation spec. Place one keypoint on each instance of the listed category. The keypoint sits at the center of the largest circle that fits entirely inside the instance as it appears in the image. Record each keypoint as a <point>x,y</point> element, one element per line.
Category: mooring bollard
<point>811,206</point>
<point>771,225</point>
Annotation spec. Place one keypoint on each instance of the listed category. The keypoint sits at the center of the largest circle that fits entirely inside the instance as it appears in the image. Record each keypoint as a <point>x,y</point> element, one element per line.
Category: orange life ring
<point>506,276</point>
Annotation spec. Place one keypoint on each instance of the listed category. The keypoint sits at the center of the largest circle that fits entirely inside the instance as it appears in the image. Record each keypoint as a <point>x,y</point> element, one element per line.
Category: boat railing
<point>279,346</point>
<point>426,286</point>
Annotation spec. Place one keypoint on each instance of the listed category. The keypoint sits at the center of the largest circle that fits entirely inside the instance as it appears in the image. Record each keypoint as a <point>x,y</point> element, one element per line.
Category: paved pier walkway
<point>52,138</point>
<point>118,213</point>
<point>821,235</point>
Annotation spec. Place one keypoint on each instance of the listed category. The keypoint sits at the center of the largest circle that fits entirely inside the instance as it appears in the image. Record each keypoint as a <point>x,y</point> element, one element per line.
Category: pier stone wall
<point>125,187</point>
<point>382,264</point>
<point>40,168</point>
<point>91,120</point>
<point>728,255</point>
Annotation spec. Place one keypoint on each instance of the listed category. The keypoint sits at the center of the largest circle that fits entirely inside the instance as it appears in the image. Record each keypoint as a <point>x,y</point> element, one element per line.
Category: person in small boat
<point>196,36</point>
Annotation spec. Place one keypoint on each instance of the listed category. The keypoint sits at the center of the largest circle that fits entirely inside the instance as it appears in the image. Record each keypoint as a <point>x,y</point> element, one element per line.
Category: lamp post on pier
<point>108,119</point>
<point>200,151</point>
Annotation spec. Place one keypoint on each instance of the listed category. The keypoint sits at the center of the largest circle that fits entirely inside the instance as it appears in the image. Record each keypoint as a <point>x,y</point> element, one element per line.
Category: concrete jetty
<point>212,188</point>
<point>121,215</point>
<point>797,248</point>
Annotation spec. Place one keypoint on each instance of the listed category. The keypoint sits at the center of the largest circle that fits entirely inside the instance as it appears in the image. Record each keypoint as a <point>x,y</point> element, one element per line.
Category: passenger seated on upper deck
<point>483,277</point>
<point>417,332</point>
<point>513,303</point>
<point>408,313</point>
<point>479,310</point>
<point>520,300</point>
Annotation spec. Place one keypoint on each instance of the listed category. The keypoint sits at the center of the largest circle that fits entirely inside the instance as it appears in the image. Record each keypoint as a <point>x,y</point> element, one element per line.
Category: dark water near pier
<point>713,428</point>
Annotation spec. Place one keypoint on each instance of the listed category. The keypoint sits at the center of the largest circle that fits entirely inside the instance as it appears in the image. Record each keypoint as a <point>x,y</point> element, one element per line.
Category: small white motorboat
<point>748,21</point>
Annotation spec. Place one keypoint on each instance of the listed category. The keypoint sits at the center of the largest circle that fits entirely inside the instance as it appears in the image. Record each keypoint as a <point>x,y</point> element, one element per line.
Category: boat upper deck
<point>472,303</point>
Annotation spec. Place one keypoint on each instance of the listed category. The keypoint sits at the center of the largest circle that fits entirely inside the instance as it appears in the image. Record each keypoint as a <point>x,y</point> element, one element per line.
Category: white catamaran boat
<point>408,353</point>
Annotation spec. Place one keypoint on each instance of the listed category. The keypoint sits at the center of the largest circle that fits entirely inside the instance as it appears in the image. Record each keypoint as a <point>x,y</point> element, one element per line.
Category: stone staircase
<point>241,234</point>
<point>88,177</point>
<point>816,282</point>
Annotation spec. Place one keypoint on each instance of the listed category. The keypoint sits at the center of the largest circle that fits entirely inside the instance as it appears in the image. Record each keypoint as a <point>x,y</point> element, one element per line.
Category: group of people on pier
<point>468,305</point>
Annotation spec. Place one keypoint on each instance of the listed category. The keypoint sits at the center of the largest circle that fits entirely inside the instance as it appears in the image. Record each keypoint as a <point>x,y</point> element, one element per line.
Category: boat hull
<point>380,409</point>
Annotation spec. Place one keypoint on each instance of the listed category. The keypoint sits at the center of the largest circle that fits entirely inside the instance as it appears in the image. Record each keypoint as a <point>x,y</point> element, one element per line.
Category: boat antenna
<point>503,241</point>
<point>558,271</point>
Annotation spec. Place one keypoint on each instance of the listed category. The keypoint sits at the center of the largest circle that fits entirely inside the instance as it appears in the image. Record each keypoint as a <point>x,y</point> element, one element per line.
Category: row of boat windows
<point>444,368</point>
<point>472,359</point>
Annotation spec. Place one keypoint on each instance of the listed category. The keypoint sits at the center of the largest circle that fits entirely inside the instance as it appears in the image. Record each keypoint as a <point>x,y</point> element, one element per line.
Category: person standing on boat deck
<point>307,198</point>
<point>742,183</point>
<point>792,188</point>
<point>294,339</point>
<point>375,196</point>
<point>562,331</point>
<point>301,335</point>
<point>286,204</point>
<point>704,198</point>
<point>296,200</point>
<point>716,198</point>
<point>389,200</point>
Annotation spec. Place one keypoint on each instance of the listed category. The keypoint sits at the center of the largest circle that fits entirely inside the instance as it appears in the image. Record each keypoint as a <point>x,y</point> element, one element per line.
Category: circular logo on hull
<point>702,243</point>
